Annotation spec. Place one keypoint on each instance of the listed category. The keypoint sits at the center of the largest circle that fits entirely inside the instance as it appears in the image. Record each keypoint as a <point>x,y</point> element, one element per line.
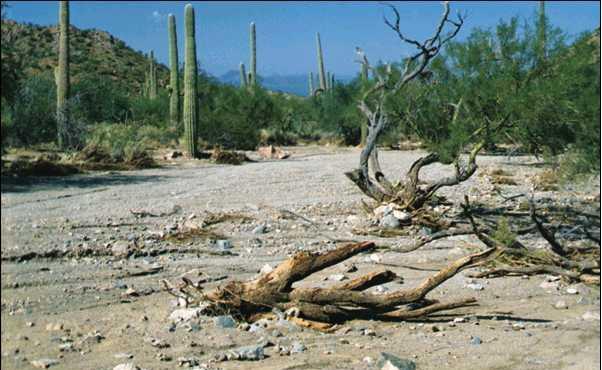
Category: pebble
<point>390,221</point>
<point>123,355</point>
<point>298,347</point>
<point>120,248</point>
<point>185,314</point>
<point>224,322</point>
<point>591,316</point>
<point>44,363</point>
<point>474,286</point>
<point>261,229</point>
<point>128,366</point>
<point>561,305</point>
<point>246,353</point>
<point>571,290</point>
<point>224,244</point>
<point>475,341</point>
<point>549,285</point>
<point>266,269</point>
<point>388,361</point>
<point>337,277</point>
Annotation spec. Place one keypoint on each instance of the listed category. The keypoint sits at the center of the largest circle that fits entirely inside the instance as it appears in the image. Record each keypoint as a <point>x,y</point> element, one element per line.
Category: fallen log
<point>274,291</point>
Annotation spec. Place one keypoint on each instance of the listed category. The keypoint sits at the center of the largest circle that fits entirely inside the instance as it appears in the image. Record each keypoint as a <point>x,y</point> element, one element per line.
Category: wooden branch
<point>404,314</point>
<point>545,233</point>
<point>368,281</point>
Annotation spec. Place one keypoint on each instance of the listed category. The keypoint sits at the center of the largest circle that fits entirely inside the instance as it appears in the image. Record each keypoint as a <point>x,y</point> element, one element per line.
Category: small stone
<point>224,244</point>
<point>572,290</point>
<point>337,277</point>
<point>475,341</point>
<point>459,320</point>
<point>561,305</point>
<point>163,357</point>
<point>298,347</point>
<point>390,222</point>
<point>518,326</point>
<point>120,248</point>
<point>123,355</point>
<point>375,258</point>
<point>266,269</point>
<point>224,322</point>
<point>383,211</point>
<point>246,353</point>
<point>54,327</point>
<point>260,229</point>
<point>591,316</point>
<point>369,332</point>
<point>475,286</point>
<point>388,361</point>
<point>185,314</point>
<point>368,360</point>
<point>30,324</point>
<point>44,363</point>
<point>128,366</point>
<point>402,216</point>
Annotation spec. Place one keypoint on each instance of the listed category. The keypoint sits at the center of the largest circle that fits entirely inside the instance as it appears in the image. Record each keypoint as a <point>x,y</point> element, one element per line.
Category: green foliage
<point>503,234</point>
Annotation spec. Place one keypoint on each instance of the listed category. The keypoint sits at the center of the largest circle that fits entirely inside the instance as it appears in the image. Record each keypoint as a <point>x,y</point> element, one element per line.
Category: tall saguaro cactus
<point>311,83</point>
<point>253,61</point>
<point>174,78</point>
<point>152,94</point>
<point>190,78</point>
<point>243,75</point>
<point>62,77</point>
<point>322,75</point>
<point>541,30</point>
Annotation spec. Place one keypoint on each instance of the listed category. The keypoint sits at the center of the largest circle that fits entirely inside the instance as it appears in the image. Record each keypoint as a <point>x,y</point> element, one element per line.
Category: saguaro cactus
<point>243,75</point>
<point>311,83</point>
<point>62,77</point>
<point>174,78</point>
<point>253,61</point>
<point>190,87</point>
<point>322,75</point>
<point>153,76</point>
<point>542,32</point>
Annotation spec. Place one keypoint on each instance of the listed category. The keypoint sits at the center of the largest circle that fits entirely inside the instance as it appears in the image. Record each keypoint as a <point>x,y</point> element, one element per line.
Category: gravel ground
<point>94,312</point>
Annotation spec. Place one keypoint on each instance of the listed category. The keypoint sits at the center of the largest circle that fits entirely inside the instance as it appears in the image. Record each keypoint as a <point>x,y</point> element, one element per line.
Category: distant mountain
<point>91,51</point>
<point>297,84</point>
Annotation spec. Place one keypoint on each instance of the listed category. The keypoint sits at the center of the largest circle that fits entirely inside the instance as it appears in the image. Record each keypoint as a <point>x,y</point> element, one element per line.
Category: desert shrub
<point>34,111</point>
<point>233,117</point>
<point>154,112</point>
<point>101,99</point>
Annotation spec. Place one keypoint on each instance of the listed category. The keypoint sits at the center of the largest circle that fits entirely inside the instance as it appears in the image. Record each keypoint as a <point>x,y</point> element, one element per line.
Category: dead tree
<point>409,193</point>
<point>257,298</point>
<point>572,264</point>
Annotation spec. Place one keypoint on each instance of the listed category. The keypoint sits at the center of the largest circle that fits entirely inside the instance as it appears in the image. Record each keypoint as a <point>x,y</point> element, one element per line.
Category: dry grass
<point>546,181</point>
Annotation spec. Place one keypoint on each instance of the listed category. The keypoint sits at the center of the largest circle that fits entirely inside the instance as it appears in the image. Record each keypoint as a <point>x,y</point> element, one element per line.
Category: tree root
<point>336,304</point>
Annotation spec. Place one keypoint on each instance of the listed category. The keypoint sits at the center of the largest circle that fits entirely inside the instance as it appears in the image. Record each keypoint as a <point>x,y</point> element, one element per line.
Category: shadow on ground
<point>32,184</point>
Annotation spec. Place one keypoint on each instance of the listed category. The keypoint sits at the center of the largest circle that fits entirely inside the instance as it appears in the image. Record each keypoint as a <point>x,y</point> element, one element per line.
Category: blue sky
<point>286,30</point>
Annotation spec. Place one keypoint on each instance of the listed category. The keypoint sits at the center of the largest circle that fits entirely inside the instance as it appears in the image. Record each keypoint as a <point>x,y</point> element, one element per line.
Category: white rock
<point>591,316</point>
<point>266,269</point>
<point>475,286</point>
<point>185,314</point>
<point>382,211</point>
<point>571,290</point>
<point>390,221</point>
<point>128,366</point>
<point>375,258</point>
<point>561,305</point>
<point>402,216</point>
<point>337,277</point>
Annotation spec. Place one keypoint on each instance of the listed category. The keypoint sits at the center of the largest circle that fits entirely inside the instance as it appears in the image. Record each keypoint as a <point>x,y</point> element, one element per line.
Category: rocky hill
<point>34,50</point>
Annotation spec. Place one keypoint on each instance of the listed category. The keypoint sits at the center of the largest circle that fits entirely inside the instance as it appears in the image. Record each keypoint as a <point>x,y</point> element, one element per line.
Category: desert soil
<point>95,312</point>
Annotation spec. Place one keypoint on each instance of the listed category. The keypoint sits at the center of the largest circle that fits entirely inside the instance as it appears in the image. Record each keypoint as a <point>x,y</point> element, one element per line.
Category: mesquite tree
<point>409,193</point>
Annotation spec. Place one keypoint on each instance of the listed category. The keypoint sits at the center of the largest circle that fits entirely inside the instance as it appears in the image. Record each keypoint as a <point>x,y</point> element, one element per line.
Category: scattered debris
<point>44,363</point>
<point>271,152</point>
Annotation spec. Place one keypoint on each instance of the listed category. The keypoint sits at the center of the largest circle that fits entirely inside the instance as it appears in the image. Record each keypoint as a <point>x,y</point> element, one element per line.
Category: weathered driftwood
<point>274,291</point>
